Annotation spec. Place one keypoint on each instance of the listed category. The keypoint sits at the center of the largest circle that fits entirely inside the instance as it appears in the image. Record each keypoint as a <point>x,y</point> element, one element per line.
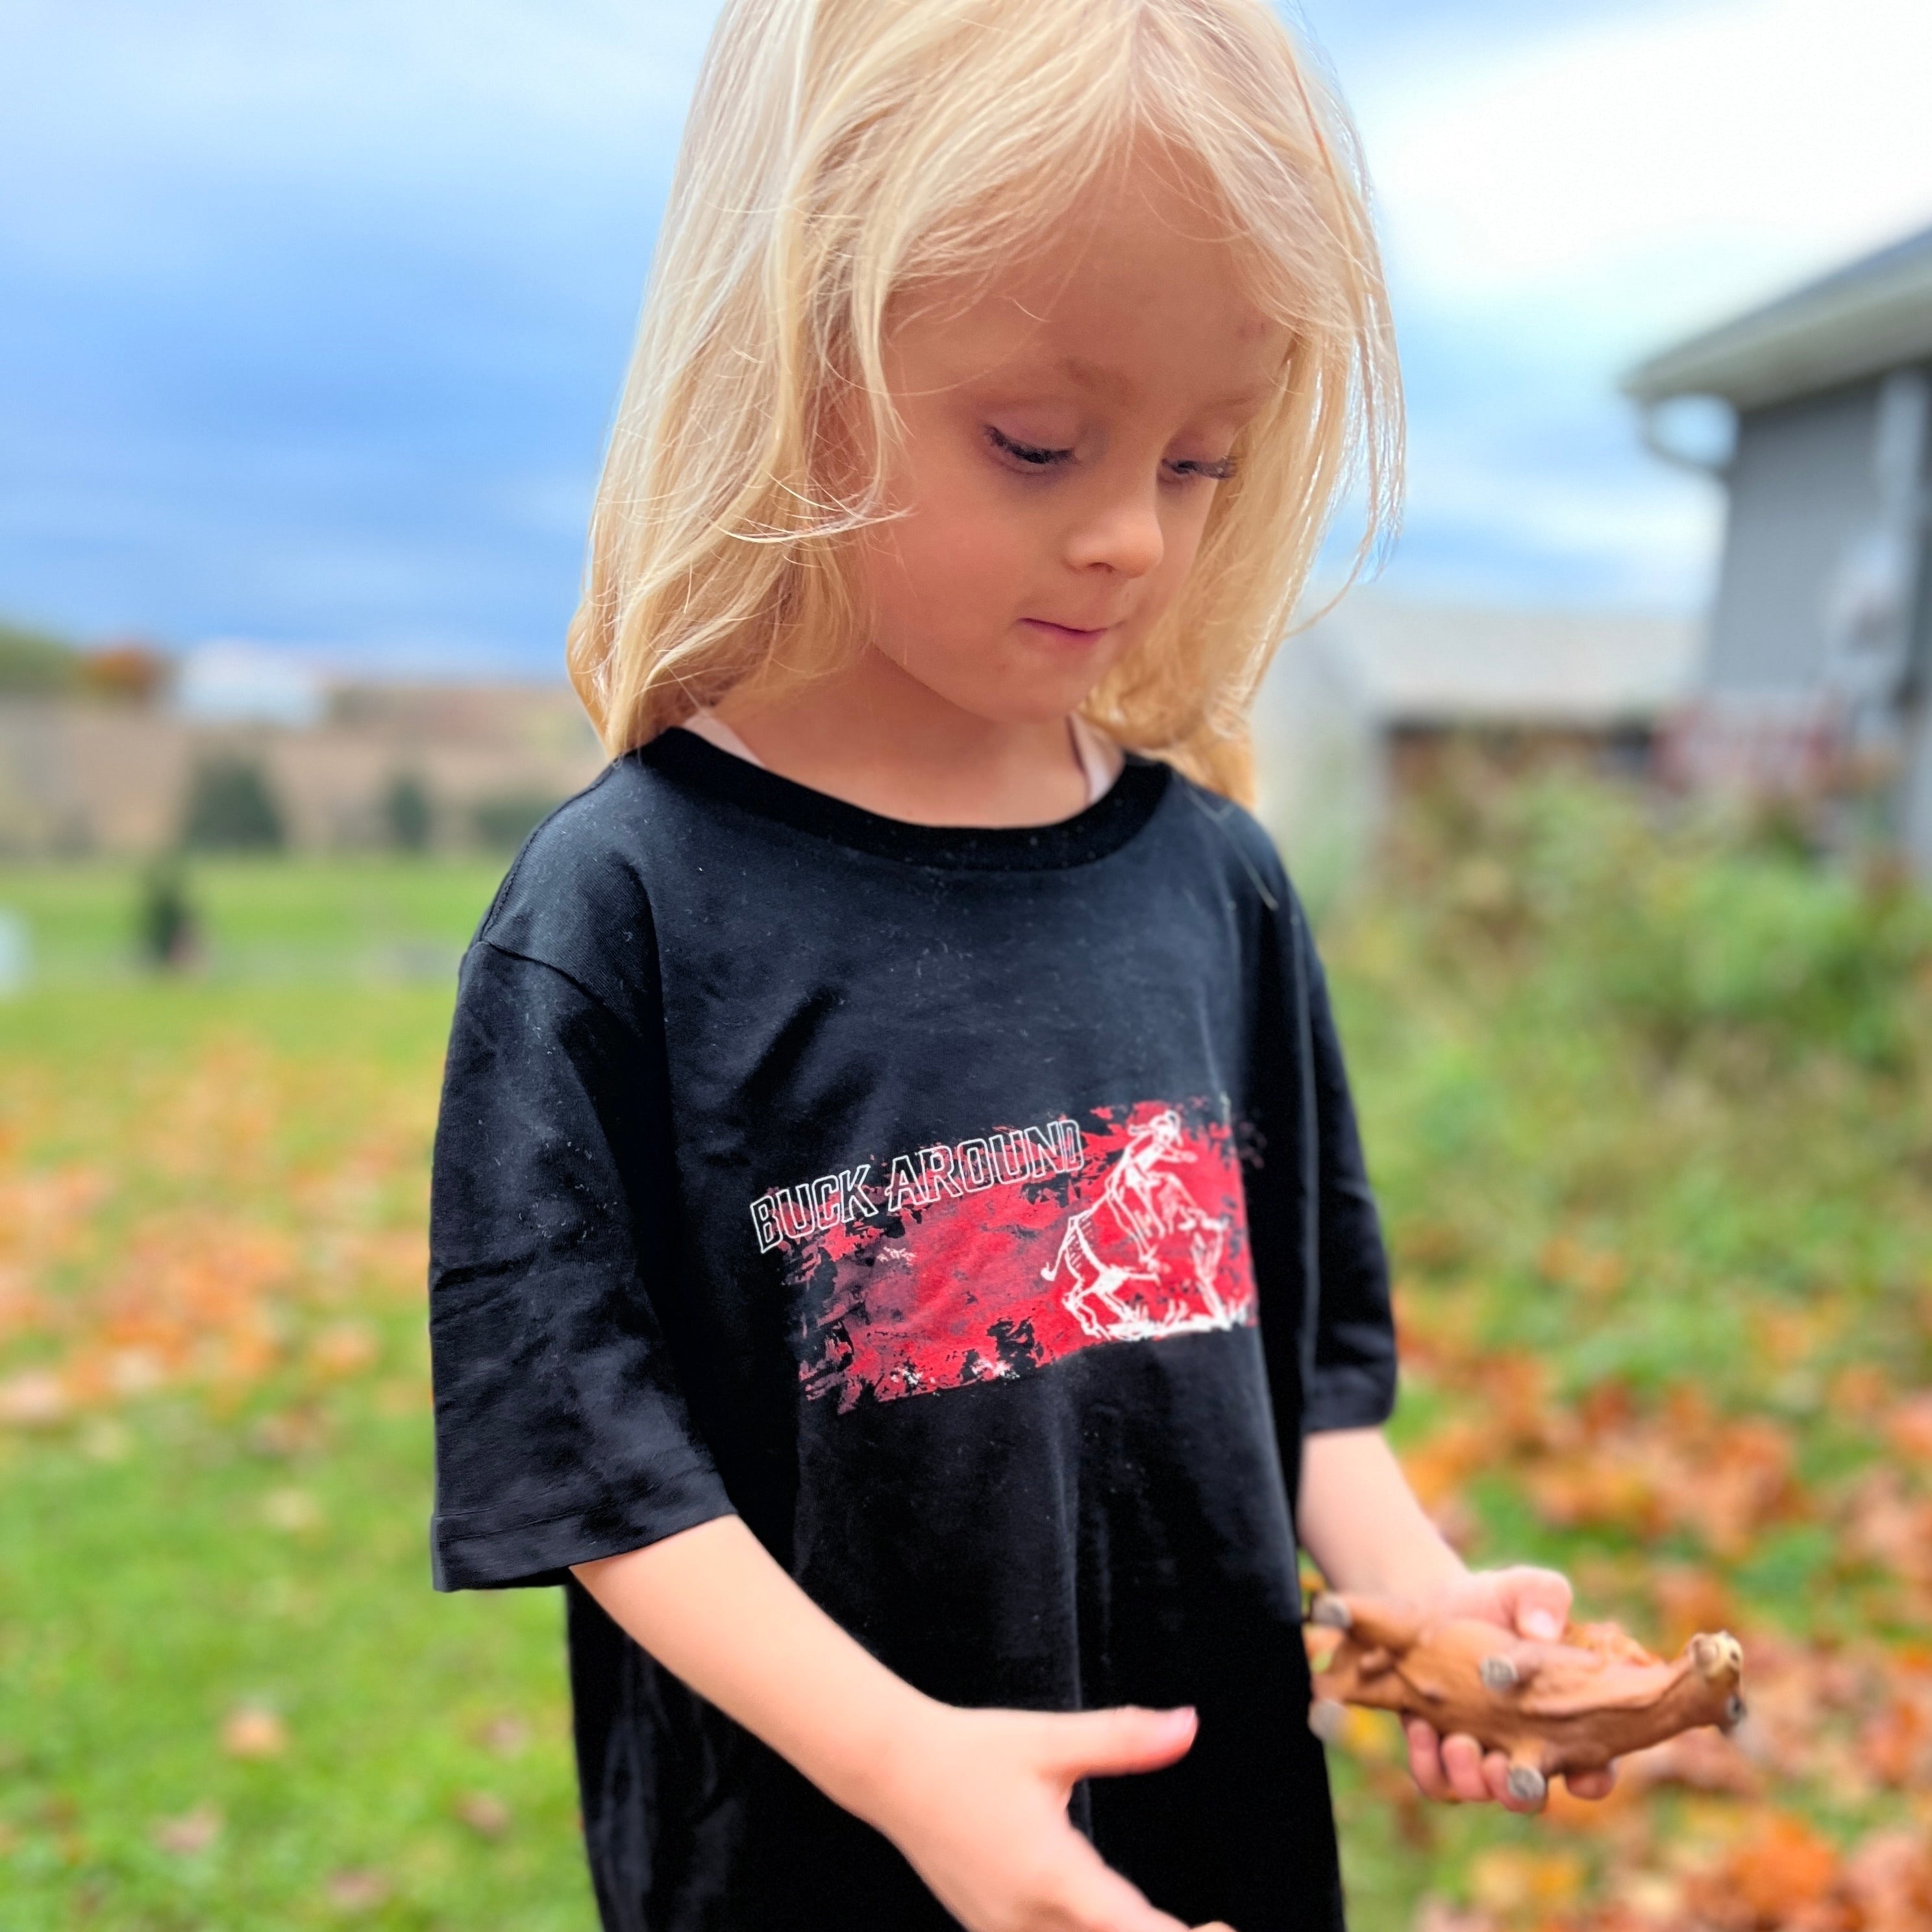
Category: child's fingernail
<point>1540,1623</point>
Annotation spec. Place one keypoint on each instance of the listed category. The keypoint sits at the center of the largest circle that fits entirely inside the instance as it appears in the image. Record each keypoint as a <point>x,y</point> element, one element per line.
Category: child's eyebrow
<point>1115,384</point>
<point>1120,388</point>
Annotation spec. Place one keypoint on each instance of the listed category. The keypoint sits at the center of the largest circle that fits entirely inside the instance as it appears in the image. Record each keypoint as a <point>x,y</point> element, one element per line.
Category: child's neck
<point>874,735</point>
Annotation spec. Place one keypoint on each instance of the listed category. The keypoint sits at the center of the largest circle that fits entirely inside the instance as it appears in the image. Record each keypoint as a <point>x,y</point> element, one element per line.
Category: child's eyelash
<point>1037,457</point>
<point>1026,452</point>
<point>1215,472</point>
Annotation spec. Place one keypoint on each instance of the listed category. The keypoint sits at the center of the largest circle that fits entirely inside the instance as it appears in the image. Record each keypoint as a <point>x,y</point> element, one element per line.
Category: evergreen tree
<point>231,809</point>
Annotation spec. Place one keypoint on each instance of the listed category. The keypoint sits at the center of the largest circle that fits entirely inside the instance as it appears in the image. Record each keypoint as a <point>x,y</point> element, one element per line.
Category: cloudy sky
<point>311,316</point>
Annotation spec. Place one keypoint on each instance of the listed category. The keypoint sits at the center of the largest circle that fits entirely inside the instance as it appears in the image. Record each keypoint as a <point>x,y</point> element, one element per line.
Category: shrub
<point>231,809</point>
<point>167,931</point>
<point>33,664</point>
<point>406,813</point>
<point>1689,935</point>
<point>504,822</point>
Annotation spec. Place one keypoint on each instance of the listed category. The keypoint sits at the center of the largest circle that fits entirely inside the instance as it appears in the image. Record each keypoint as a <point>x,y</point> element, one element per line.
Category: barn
<point>1815,412</point>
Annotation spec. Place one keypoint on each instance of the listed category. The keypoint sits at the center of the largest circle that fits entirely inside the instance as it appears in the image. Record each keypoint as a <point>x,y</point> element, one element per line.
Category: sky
<point>312,318</point>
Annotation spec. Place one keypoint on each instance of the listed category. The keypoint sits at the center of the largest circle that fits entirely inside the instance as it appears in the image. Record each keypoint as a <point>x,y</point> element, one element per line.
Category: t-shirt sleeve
<point>1352,1384</point>
<point>561,1432</point>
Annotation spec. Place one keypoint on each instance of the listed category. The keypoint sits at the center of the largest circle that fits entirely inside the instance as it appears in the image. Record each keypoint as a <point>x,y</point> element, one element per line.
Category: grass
<point>371,921</point>
<point>1647,1107</point>
<point>228,1697</point>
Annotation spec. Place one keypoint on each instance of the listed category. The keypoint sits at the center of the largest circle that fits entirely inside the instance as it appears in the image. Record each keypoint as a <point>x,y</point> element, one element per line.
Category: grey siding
<point>1802,489</point>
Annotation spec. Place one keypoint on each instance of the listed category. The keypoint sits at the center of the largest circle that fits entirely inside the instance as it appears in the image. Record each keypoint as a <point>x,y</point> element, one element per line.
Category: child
<point>902,1250</point>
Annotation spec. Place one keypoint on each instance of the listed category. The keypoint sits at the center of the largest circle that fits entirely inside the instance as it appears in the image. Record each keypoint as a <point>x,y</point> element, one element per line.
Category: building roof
<point>1872,315</point>
<point>1431,664</point>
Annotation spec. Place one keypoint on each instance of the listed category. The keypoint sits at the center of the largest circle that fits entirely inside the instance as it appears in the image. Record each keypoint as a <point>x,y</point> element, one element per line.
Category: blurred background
<point>1613,791</point>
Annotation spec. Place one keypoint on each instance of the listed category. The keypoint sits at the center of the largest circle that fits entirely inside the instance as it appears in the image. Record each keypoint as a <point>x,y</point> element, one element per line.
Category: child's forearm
<point>1361,1522</point>
<point>976,1799</point>
<point>714,1609</point>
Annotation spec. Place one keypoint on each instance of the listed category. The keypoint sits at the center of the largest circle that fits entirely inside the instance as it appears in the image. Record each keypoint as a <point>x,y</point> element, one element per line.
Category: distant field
<point>367,921</point>
<point>1651,1117</point>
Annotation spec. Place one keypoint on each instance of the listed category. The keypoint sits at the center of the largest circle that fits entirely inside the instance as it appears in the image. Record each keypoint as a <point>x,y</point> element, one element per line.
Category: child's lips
<point>1066,633</point>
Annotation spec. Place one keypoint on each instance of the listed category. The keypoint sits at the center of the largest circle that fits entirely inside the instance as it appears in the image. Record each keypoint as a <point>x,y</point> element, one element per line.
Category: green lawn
<point>370,921</point>
<point>217,1185</point>
<point>1648,1109</point>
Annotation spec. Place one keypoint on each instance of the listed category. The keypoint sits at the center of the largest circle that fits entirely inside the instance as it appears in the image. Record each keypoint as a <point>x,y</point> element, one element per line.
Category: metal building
<point>1818,669</point>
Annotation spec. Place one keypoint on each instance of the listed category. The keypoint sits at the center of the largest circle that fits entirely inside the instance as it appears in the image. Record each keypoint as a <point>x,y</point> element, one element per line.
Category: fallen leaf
<point>507,1736</point>
<point>291,1511</point>
<point>1510,1880</point>
<point>488,1815</point>
<point>1888,1528</point>
<point>190,1834</point>
<point>292,1431</point>
<point>1889,1879</point>
<point>1767,1880</point>
<point>35,1399</point>
<point>1689,1600</point>
<point>356,1891</point>
<point>1895,1742</point>
<point>253,1731</point>
<point>1438,1914</point>
<point>343,1348</point>
<point>1908,1427</point>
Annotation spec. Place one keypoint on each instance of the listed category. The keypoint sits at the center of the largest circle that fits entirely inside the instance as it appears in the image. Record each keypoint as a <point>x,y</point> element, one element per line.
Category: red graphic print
<point>1026,1247</point>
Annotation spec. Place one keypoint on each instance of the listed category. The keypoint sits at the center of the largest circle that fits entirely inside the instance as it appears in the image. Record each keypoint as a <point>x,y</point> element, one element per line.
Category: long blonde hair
<point>841,152</point>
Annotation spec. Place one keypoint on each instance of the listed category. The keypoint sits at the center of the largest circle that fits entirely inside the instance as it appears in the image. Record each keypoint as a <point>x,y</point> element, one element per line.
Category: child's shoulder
<point>1235,840</point>
<point>576,897</point>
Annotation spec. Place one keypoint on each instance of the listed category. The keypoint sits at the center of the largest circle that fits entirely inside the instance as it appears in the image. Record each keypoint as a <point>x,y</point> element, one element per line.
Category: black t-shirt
<point>980,1216</point>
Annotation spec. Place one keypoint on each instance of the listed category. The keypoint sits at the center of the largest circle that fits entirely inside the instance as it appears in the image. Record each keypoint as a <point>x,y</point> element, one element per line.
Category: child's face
<point>1066,426</point>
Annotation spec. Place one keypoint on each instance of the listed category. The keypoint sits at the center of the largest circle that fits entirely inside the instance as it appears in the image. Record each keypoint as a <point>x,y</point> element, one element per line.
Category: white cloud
<point>1557,208</point>
<point>1639,176</point>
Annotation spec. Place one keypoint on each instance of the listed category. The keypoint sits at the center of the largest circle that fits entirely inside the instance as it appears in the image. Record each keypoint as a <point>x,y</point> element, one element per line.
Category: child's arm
<point>1361,1522</point>
<point>946,1785</point>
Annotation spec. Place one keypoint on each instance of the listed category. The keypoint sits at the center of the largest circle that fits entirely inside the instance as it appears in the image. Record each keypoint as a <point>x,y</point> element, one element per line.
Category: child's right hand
<point>976,1800</point>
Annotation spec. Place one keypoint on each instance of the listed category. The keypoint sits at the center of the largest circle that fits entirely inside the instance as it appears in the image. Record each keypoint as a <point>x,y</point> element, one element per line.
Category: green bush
<point>167,931</point>
<point>33,664</point>
<point>407,814</point>
<point>231,809</point>
<point>1696,936</point>
<point>503,823</point>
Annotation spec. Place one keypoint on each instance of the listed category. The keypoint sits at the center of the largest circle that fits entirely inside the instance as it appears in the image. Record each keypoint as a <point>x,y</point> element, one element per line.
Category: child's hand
<point>1534,1603</point>
<point>976,1801</point>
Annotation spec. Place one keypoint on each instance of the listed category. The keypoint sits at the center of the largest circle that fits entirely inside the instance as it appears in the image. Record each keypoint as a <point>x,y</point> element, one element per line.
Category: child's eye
<point>1213,473</point>
<point>1031,454</point>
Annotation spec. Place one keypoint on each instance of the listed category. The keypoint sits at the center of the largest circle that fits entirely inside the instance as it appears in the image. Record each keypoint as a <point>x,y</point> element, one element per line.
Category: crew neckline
<point>1099,758</point>
<point>1103,827</point>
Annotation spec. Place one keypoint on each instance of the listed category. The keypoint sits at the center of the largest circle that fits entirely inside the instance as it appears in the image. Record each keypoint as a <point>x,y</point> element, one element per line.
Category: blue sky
<point>311,318</point>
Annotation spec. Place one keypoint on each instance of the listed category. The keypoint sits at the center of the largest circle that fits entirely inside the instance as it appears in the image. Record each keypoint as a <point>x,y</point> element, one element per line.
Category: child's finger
<point>1496,1772</point>
<point>1592,1784</point>
<point>1425,1760</point>
<point>1538,1601</point>
<point>1463,1763</point>
<point>1113,1744</point>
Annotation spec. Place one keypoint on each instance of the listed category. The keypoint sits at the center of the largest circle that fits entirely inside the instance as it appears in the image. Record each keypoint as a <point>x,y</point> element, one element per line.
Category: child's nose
<point>1124,534</point>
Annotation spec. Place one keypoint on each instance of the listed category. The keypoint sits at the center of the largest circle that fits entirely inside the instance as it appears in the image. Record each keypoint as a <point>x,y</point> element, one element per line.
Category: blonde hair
<point>841,152</point>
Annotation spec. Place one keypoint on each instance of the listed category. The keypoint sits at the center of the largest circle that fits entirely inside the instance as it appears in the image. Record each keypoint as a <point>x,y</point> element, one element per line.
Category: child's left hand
<point>1534,1603</point>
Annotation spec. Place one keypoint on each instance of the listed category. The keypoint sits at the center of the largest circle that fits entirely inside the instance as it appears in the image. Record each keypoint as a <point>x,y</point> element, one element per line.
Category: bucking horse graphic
<point>1144,1260</point>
